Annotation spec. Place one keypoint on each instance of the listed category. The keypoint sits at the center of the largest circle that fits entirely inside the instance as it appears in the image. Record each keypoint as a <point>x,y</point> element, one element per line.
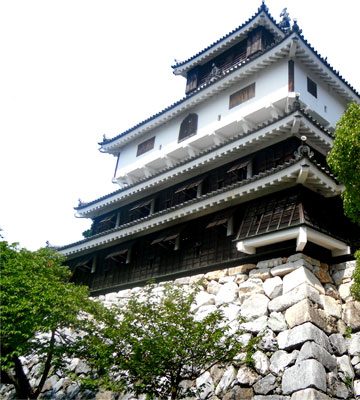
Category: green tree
<point>158,344</point>
<point>37,304</point>
<point>344,160</point>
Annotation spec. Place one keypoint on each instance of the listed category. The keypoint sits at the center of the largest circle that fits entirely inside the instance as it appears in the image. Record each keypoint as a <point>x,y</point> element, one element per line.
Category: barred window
<point>145,146</point>
<point>242,95</point>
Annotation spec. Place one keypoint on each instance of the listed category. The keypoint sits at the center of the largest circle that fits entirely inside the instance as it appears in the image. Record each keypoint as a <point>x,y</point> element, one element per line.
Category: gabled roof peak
<point>248,24</point>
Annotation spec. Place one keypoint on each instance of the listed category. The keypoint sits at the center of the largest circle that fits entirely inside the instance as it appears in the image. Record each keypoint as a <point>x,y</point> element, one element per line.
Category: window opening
<point>242,95</point>
<point>188,127</point>
<point>145,146</point>
<point>142,210</point>
<point>312,87</point>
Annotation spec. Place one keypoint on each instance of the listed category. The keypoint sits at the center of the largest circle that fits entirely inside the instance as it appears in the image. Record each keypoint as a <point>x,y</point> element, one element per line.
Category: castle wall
<point>310,327</point>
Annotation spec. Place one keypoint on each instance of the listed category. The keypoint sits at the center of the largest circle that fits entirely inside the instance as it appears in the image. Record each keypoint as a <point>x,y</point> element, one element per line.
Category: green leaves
<point>344,160</point>
<point>158,343</point>
<point>37,299</point>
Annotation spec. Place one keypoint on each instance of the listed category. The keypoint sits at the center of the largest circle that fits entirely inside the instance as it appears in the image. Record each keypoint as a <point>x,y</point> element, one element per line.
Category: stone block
<point>247,376</point>
<point>194,279</point>
<point>226,380</point>
<point>295,337</point>
<point>311,350</point>
<point>276,322</point>
<point>284,269</point>
<point>353,344</point>
<point>226,279</point>
<point>204,311</point>
<point>338,344</point>
<point>304,312</point>
<point>240,278</point>
<point>344,365</point>
<point>287,268</point>
<point>205,384</point>
<point>227,293</point>
<point>261,362</point>
<point>303,375</point>
<point>82,368</point>
<point>331,306</point>
<point>231,312</point>
<point>263,273</point>
<point>258,325</point>
<point>351,315</point>
<point>331,290</point>
<point>202,299</point>
<point>239,393</point>
<point>182,281</point>
<point>299,276</point>
<point>344,274</point>
<point>213,287</point>
<point>309,394</point>
<point>216,275</point>
<point>265,385</point>
<point>304,291</point>
<point>323,275</point>
<point>255,306</point>
<point>357,388</point>
<point>273,287</point>
<point>336,388</point>
<point>270,397</point>
<point>241,269</point>
<point>301,256</point>
<point>249,287</point>
<point>268,341</point>
<point>270,263</point>
<point>344,290</point>
<point>281,359</point>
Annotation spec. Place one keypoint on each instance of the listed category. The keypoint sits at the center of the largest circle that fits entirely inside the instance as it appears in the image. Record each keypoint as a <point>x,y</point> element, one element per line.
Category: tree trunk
<point>22,384</point>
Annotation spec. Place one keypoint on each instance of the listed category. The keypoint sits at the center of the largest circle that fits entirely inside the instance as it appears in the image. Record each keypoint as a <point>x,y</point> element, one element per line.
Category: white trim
<point>316,180</point>
<point>232,150</point>
<point>302,235</point>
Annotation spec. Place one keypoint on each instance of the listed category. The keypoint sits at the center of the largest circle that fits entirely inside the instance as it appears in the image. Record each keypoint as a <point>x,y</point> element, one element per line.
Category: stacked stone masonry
<point>302,308</point>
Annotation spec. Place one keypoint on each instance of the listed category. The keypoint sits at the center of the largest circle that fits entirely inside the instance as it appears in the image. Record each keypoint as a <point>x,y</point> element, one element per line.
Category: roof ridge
<point>261,8</point>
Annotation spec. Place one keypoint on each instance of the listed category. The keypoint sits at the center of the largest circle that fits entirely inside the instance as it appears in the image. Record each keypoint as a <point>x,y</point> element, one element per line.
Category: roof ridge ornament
<point>296,27</point>
<point>285,22</point>
<point>303,149</point>
<point>263,6</point>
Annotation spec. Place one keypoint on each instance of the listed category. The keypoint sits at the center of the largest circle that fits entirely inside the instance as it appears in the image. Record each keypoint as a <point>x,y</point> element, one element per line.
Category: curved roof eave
<point>295,165</point>
<point>235,35</point>
<point>87,208</point>
<point>106,146</point>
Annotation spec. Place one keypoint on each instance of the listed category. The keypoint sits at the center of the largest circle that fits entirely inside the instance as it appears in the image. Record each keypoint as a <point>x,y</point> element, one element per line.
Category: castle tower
<point>234,172</point>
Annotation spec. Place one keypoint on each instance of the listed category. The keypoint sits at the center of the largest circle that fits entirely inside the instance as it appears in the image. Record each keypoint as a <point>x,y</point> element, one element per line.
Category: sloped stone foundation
<point>302,309</point>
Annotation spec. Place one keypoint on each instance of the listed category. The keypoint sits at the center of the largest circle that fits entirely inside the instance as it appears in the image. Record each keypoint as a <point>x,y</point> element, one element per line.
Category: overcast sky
<point>73,70</point>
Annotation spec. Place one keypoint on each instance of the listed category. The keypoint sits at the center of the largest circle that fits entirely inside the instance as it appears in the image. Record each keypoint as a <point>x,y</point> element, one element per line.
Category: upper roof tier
<point>261,19</point>
<point>269,42</point>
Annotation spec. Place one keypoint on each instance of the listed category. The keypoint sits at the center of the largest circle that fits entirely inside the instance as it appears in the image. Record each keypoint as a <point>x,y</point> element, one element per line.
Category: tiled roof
<point>183,162</point>
<point>295,29</point>
<point>260,9</point>
<point>207,195</point>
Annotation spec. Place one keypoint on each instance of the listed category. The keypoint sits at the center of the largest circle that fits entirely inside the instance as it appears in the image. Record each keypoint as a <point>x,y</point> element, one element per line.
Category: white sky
<point>72,70</point>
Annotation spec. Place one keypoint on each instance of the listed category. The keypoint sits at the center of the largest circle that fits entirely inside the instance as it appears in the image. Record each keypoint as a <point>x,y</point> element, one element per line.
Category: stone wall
<point>303,311</point>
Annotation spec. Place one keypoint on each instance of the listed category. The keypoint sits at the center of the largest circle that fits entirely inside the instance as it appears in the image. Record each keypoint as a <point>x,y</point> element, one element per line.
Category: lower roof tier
<point>212,241</point>
<point>300,170</point>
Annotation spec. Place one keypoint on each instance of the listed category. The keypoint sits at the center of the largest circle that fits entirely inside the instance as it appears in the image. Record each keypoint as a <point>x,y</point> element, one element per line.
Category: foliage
<point>37,304</point>
<point>159,344</point>
<point>355,288</point>
<point>344,160</point>
<point>89,232</point>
